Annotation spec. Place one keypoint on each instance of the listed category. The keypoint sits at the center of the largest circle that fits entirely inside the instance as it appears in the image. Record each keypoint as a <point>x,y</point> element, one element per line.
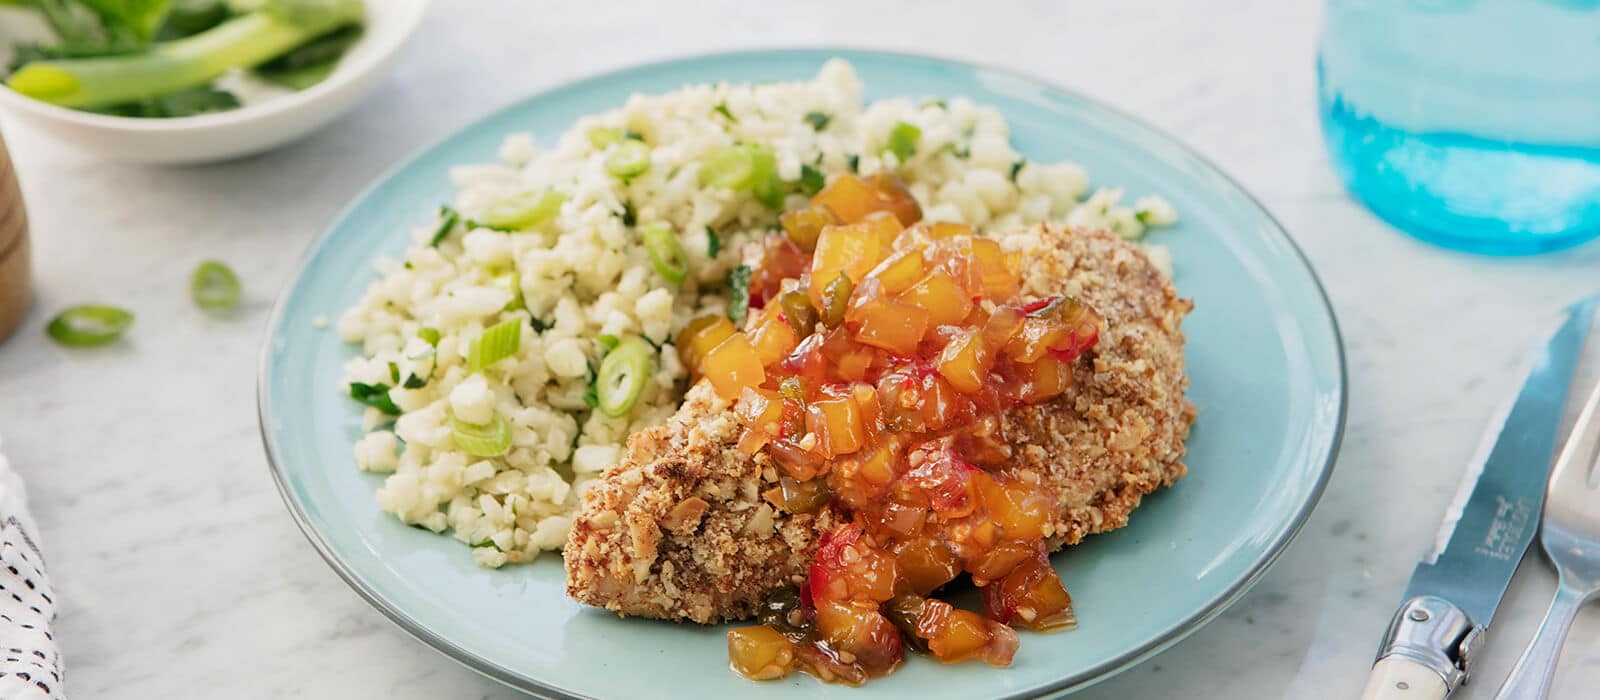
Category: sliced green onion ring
<point>214,286</point>
<point>622,376</point>
<point>628,159</point>
<point>602,136</point>
<point>498,342</point>
<point>489,440</point>
<point>732,168</point>
<point>89,325</point>
<point>666,253</point>
<point>524,210</point>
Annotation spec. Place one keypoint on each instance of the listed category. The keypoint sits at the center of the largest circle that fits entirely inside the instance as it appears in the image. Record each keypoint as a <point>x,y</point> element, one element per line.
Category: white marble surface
<point>181,574</point>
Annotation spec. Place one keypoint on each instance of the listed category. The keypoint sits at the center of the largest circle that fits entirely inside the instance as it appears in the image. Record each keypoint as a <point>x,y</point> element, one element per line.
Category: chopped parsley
<point>1017,168</point>
<point>374,395</point>
<point>629,216</point>
<point>538,325</point>
<point>394,373</point>
<point>448,218</point>
<point>739,294</point>
<point>713,242</point>
<point>811,180</point>
<point>818,120</point>
<point>415,382</point>
<point>854,161</point>
<point>722,109</point>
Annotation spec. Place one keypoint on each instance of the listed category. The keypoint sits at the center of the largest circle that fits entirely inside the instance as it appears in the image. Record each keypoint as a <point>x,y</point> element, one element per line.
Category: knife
<point>1427,651</point>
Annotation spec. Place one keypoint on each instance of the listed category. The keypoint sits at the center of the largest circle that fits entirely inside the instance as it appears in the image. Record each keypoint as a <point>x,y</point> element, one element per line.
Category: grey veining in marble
<point>180,572</point>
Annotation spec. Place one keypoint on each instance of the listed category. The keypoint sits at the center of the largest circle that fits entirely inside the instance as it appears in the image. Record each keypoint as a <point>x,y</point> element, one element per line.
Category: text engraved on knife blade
<point>1503,540</point>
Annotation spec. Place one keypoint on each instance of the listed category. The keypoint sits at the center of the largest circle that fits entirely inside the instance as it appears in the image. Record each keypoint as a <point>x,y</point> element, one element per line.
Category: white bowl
<point>252,128</point>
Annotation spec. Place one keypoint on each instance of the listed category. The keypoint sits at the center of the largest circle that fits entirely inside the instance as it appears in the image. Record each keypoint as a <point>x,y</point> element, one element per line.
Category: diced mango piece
<point>760,653</point>
<point>901,270</point>
<point>999,280</point>
<point>805,225</point>
<point>852,250</point>
<point>1019,509</point>
<point>947,229</point>
<point>837,424</point>
<point>850,198</point>
<point>892,326</point>
<point>965,362</point>
<point>1042,380</point>
<point>853,198</point>
<point>939,295</point>
<point>700,336</point>
<point>773,338</point>
<point>895,198</point>
<point>762,410</point>
<point>733,365</point>
<point>926,564</point>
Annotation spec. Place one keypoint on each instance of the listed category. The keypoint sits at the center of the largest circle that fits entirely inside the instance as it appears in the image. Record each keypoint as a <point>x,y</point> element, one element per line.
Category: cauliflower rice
<point>584,274</point>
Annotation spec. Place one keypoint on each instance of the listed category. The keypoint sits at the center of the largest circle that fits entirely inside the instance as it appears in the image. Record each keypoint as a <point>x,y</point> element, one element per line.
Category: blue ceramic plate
<point>1264,354</point>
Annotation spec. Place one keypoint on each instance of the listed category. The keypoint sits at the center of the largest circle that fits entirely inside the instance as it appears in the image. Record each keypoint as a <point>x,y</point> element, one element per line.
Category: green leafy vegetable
<point>184,103</point>
<point>722,109</point>
<point>89,325</point>
<point>312,62</point>
<point>811,180</point>
<point>214,286</point>
<point>1017,168</point>
<point>630,217</point>
<point>854,161</point>
<point>713,242</point>
<point>394,373</point>
<point>374,395</point>
<point>498,342</point>
<point>415,382</point>
<point>818,120</point>
<point>739,294</point>
<point>188,17</point>
<point>172,66</point>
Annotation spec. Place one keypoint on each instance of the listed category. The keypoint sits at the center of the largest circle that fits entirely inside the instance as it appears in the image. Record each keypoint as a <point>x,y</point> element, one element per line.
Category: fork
<point>1570,535</point>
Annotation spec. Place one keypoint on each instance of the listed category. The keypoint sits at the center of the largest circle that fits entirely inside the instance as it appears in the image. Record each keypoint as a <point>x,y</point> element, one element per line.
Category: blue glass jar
<point>1473,124</point>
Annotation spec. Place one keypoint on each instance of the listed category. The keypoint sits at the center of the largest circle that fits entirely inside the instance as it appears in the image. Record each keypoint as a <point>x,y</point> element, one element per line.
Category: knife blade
<point>1454,591</point>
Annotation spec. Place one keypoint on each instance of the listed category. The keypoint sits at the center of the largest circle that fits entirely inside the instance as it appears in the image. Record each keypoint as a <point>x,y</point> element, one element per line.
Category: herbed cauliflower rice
<point>581,278</point>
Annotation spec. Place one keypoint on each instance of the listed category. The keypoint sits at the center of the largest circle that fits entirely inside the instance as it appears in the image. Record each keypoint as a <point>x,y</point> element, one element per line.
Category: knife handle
<point>1399,678</point>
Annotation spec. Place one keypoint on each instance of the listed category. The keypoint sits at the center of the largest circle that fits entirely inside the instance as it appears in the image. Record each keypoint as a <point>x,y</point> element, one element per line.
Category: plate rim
<point>1177,632</point>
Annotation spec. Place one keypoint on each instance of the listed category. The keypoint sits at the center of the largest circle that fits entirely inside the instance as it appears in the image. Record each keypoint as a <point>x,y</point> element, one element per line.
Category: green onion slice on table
<point>523,210</point>
<point>497,343</point>
<point>89,325</point>
<point>622,376</point>
<point>629,158</point>
<point>666,253</point>
<point>214,286</point>
<point>488,440</point>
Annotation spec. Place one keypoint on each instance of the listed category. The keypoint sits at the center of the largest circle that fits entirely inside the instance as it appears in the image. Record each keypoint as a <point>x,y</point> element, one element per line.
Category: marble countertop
<point>179,569</point>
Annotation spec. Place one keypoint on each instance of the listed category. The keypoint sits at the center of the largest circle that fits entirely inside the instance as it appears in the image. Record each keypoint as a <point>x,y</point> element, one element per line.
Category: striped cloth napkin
<point>30,663</point>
